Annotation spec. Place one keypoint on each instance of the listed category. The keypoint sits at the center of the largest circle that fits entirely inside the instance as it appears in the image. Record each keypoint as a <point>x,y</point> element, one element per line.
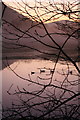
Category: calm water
<point>30,68</point>
<point>39,71</point>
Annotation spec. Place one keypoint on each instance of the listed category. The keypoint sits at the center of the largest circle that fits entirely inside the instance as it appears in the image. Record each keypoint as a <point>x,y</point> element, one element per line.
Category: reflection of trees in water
<point>47,94</point>
<point>55,98</point>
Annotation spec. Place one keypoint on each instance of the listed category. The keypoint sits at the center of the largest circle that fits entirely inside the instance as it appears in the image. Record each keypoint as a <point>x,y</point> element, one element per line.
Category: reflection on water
<point>32,75</point>
<point>40,84</point>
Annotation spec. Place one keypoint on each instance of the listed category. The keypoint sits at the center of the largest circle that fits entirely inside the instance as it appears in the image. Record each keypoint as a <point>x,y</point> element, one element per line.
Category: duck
<point>42,71</point>
<point>32,72</point>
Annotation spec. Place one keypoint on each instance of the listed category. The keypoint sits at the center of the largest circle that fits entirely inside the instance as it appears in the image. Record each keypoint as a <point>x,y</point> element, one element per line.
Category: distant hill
<point>24,37</point>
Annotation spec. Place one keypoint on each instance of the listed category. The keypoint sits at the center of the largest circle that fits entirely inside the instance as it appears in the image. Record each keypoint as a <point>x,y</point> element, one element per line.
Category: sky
<point>39,12</point>
<point>37,0</point>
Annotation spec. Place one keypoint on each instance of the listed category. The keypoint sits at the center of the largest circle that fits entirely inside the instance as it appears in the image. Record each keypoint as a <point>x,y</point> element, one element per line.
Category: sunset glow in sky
<point>45,10</point>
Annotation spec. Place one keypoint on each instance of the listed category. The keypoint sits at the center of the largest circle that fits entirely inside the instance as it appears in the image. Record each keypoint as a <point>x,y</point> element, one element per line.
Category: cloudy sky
<point>44,12</point>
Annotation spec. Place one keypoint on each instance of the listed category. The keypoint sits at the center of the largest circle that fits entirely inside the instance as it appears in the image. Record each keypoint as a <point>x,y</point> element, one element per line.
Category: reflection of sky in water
<point>30,69</point>
<point>26,73</point>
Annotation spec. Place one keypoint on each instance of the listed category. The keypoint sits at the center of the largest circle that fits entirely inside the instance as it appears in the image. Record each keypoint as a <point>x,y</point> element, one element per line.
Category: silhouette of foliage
<point>54,99</point>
